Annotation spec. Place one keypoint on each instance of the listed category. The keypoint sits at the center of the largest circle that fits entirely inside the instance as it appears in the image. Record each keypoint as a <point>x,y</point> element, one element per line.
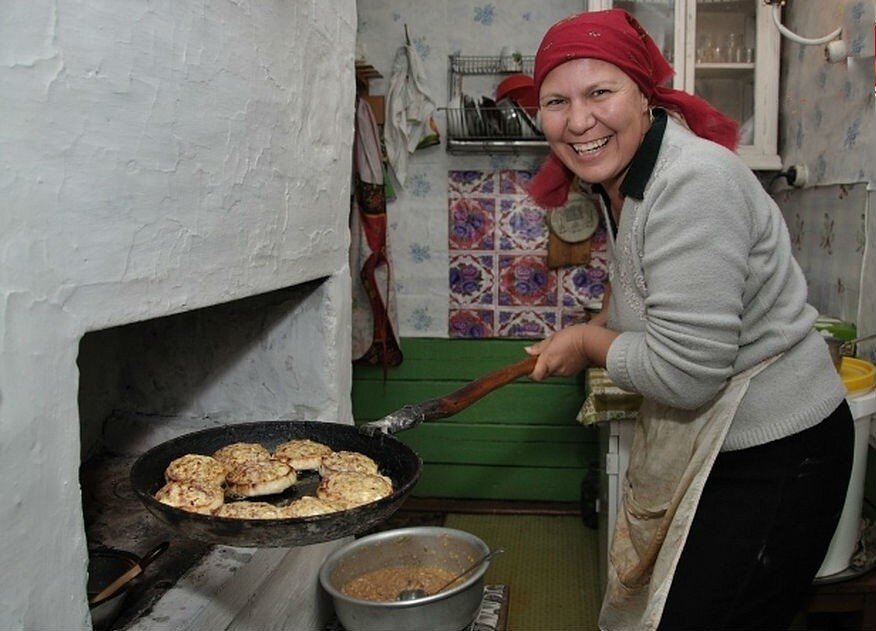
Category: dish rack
<point>478,124</point>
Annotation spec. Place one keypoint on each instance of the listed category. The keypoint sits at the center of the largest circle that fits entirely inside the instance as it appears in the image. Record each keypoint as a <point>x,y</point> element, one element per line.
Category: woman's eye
<point>552,102</point>
<point>599,92</point>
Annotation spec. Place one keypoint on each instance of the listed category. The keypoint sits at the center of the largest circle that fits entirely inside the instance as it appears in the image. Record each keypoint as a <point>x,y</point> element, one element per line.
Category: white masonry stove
<point>173,255</point>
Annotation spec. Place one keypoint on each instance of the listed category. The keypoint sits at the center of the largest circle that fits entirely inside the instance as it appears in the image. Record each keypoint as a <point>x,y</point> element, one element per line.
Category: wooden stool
<point>855,597</point>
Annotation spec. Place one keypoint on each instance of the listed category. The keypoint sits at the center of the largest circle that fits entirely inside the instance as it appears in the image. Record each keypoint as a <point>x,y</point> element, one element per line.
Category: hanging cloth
<point>375,341</point>
<point>410,124</point>
<point>672,454</point>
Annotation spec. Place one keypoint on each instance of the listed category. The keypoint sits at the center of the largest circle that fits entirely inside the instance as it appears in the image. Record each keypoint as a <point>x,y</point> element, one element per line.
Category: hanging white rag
<point>409,109</point>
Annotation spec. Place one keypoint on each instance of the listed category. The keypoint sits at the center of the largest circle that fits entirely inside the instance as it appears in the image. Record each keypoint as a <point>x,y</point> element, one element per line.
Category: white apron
<point>672,453</point>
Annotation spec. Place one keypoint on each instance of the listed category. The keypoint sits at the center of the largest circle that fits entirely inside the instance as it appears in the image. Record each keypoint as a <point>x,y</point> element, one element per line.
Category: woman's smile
<point>588,148</point>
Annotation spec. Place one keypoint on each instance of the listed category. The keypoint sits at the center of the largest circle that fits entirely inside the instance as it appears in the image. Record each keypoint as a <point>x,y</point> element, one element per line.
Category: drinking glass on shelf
<point>705,51</point>
<point>733,52</point>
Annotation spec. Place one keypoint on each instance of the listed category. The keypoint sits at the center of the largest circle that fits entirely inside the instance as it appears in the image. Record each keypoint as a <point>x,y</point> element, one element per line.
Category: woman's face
<point>594,118</point>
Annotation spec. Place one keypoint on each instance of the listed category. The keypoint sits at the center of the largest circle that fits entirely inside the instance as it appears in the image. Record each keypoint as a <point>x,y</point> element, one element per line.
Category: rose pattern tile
<point>500,284</point>
<point>521,226</point>
<point>581,286</point>
<point>472,324</point>
<point>526,323</point>
<point>526,280</point>
<point>514,182</point>
<point>463,183</point>
<point>472,223</point>
<point>471,279</point>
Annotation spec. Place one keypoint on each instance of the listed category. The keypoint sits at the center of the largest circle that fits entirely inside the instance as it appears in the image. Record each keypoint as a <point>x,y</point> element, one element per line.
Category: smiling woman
<point>706,319</point>
<point>617,38</point>
<point>594,118</point>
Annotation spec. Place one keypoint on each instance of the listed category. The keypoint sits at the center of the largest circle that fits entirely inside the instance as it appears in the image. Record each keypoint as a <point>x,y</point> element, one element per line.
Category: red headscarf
<point>616,37</point>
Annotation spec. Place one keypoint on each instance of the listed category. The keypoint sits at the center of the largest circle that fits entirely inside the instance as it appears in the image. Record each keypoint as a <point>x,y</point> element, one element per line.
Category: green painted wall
<point>520,442</point>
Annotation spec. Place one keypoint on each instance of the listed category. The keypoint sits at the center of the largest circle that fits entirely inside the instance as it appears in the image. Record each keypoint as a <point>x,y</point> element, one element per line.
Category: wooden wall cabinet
<point>364,74</point>
<point>726,51</point>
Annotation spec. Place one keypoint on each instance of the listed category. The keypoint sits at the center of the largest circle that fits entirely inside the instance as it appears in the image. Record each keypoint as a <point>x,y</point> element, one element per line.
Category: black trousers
<point>761,531</point>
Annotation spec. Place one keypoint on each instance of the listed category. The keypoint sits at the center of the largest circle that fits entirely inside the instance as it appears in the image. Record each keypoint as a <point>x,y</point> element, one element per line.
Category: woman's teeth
<point>590,147</point>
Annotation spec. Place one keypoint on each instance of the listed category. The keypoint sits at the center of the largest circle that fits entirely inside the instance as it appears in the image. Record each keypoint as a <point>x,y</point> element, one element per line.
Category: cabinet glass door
<point>726,51</point>
<point>725,46</point>
<point>659,17</point>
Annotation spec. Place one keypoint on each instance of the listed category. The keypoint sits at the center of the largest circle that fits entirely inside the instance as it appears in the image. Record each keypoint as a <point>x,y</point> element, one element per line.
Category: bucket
<point>845,538</point>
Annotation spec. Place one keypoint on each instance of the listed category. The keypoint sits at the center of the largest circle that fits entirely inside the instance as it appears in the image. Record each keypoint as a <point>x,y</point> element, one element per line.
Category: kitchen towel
<point>409,111</point>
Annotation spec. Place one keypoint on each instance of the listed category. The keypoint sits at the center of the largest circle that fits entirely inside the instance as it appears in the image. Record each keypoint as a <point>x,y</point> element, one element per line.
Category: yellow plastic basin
<point>859,376</point>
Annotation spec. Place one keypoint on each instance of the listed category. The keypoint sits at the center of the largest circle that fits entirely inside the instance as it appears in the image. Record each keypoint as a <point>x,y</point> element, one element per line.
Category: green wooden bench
<point>520,442</point>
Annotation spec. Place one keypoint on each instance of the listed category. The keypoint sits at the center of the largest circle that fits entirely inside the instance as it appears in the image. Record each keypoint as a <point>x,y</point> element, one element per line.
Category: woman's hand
<point>568,352</point>
<point>561,354</point>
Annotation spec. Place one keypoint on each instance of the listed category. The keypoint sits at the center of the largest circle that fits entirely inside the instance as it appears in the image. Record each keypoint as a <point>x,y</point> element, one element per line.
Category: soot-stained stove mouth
<point>115,518</point>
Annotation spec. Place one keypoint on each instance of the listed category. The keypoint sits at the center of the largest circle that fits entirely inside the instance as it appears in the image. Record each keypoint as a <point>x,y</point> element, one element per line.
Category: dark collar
<point>642,164</point>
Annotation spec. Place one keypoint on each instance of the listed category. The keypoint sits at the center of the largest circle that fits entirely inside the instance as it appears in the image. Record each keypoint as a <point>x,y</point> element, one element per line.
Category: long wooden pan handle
<point>448,405</point>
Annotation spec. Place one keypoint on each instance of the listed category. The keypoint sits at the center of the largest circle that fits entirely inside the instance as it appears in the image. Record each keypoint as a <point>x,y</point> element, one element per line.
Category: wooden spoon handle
<point>131,574</point>
<point>442,407</point>
<point>460,399</point>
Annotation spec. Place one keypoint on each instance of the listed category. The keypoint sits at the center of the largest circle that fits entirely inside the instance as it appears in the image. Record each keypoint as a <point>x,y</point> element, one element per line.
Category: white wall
<point>827,117</point>
<point>418,219</point>
<point>154,158</point>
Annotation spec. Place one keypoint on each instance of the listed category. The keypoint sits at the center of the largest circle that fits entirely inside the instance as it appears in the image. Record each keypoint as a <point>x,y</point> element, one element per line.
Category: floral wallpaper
<point>826,118</point>
<point>418,240</point>
<point>500,283</point>
<point>827,227</point>
<point>826,111</point>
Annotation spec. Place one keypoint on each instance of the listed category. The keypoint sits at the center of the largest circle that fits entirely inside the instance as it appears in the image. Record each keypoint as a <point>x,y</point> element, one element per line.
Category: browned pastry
<point>194,497</point>
<point>260,477</point>
<point>346,461</point>
<point>308,506</point>
<point>241,453</point>
<point>195,468</point>
<point>249,510</point>
<point>351,488</point>
<point>302,454</point>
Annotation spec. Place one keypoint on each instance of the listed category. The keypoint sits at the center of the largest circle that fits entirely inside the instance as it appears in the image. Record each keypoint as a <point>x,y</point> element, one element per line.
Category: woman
<point>743,446</point>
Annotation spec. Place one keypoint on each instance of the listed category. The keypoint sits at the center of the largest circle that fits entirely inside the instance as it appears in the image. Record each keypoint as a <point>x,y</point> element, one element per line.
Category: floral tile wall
<point>417,231</point>
<point>827,228</point>
<point>500,283</point>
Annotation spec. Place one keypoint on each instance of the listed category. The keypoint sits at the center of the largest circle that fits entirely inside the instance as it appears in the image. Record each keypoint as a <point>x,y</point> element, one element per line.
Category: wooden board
<point>521,402</point>
<point>563,254</point>
<point>510,483</point>
<point>520,442</point>
<point>378,107</point>
<point>501,445</point>
<point>457,360</point>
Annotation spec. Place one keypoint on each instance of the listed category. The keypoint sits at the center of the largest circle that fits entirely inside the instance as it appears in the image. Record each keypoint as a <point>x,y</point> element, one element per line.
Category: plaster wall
<point>154,158</point>
<point>827,117</point>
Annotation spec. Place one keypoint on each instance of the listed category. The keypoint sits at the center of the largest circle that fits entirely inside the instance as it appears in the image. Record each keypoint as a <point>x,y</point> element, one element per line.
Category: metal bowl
<point>447,548</point>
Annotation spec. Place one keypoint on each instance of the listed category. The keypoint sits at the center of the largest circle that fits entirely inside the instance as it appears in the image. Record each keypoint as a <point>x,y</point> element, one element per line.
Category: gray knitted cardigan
<point>704,286</point>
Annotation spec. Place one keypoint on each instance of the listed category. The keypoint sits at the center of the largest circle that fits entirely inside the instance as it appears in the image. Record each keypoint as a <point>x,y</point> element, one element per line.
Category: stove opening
<point>259,358</point>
